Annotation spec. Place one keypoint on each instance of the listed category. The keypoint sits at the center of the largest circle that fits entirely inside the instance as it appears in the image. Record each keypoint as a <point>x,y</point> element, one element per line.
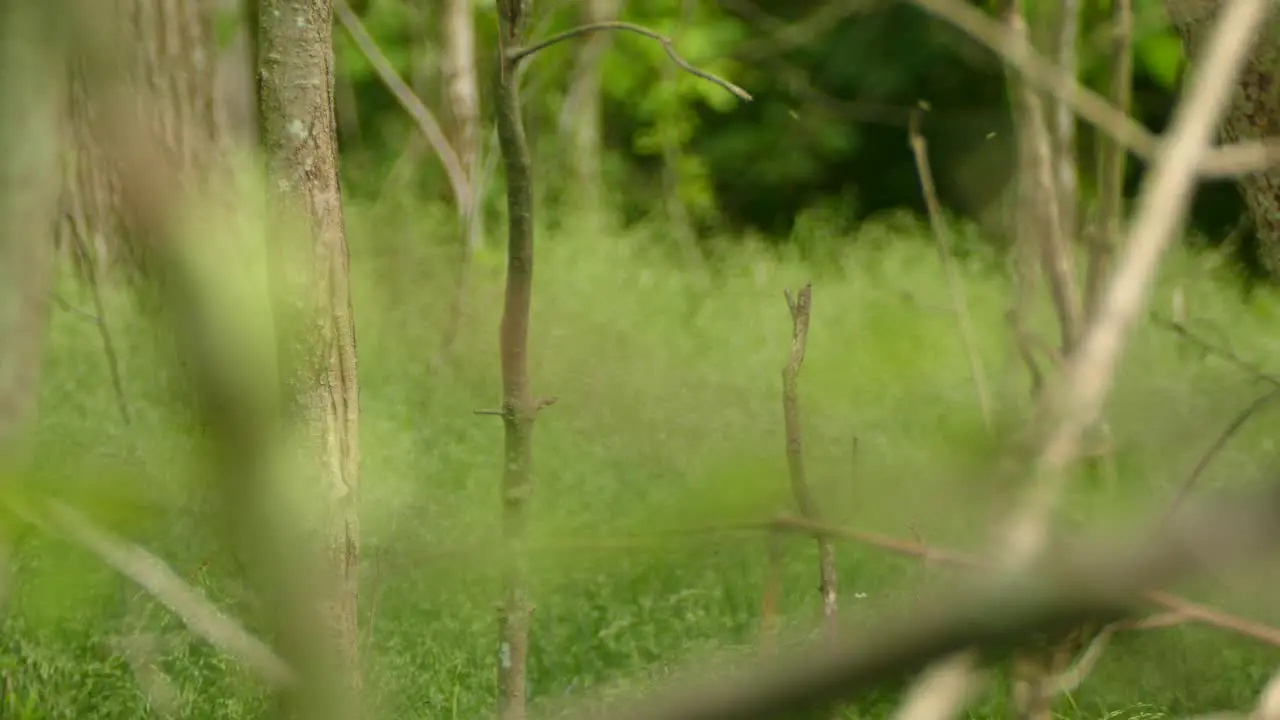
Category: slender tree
<point>315,322</point>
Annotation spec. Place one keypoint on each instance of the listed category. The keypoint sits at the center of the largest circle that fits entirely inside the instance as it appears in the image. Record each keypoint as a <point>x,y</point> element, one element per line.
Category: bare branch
<point>150,572</point>
<point>77,231</point>
<point>1225,161</point>
<point>942,236</point>
<point>515,55</point>
<point>409,101</point>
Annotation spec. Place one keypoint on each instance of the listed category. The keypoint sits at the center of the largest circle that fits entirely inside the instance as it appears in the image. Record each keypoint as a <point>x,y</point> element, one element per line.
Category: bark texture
<point>1254,113</point>
<point>318,343</point>
<point>165,84</point>
<point>31,105</point>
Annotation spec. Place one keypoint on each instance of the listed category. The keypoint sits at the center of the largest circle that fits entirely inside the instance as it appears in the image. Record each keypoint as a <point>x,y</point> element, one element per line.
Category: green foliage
<point>668,419</point>
<point>828,118</point>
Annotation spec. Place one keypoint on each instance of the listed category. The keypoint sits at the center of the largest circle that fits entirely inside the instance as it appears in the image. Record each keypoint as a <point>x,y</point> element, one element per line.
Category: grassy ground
<point>669,417</point>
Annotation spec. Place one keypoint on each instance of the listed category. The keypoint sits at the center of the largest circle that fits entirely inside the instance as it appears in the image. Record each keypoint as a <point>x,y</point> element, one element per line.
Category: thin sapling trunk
<point>800,307</point>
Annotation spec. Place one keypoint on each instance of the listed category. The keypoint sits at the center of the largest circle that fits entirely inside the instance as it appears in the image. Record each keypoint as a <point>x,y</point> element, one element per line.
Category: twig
<point>404,94</point>
<point>99,315</point>
<point>1087,586</point>
<point>1075,404</point>
<point>1044,200</point>
<point>1214,349</point>
<point>151,573</point>
<point>800,307</point>
<point>772,591</point>
<point>1220,442</point>
<point>1225,161</point>
<point>515,55</point>
<point>68,307</point>
<point>942,236</point>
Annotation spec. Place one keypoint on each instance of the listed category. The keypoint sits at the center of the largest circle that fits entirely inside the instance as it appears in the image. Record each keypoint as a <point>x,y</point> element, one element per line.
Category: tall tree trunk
<point>167,82</point>
<point>318,344</point>
<point>32,93</point>
<point>1254,113</point>
<point>583,115</point>
<point>461,84</point>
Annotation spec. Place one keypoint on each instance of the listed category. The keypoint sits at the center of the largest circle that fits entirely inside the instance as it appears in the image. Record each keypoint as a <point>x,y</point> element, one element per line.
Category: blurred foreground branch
<point>150,572</point>
<point>1104,584</point>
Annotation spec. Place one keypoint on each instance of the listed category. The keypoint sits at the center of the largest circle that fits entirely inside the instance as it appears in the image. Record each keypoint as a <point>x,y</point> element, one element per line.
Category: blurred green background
<point>668,374</point>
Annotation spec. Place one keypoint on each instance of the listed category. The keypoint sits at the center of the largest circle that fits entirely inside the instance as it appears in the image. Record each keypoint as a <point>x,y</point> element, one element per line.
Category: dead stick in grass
<point>801,307</point>
<point>942,236</point>
<point>1184,489</point>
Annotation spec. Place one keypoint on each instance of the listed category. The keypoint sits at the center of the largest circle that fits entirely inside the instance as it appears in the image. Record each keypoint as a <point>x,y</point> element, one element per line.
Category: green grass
<point>669,416</point>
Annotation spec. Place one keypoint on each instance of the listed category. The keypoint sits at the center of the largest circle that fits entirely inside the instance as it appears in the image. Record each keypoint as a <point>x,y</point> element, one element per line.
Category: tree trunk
<point>581,123</point>
<point>166,85</point>
<point>318,344</point>
<point>461,84</point>
<point>1254,113</point>
<point>31,103</point>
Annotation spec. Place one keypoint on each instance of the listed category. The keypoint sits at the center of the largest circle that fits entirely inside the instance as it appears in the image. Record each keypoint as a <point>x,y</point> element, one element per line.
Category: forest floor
<point>669,417</point>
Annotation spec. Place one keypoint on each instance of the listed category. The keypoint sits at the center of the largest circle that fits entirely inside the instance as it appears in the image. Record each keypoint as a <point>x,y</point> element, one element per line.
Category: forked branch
<point>516,55</point>
<point>800,307</point>
<point>1226,161</point>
